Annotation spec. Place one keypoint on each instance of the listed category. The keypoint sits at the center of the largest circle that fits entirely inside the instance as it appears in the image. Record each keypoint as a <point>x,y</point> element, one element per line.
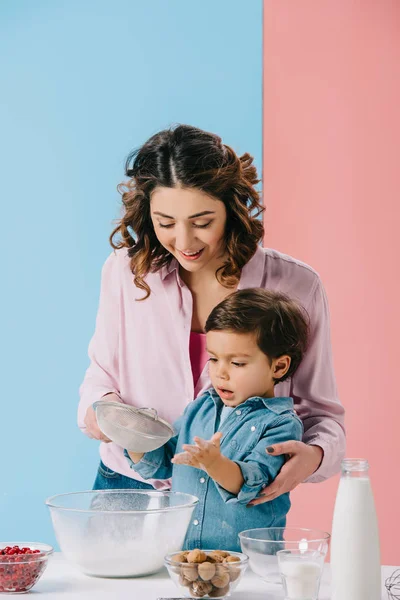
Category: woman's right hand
<point>92,427</point>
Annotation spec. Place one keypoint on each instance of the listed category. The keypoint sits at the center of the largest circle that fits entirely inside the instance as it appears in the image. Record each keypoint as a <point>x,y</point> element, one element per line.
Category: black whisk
<point>392,585</point>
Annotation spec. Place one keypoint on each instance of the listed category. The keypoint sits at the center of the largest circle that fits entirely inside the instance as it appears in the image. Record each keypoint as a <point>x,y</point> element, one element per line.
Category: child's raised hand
<point>202,454</point>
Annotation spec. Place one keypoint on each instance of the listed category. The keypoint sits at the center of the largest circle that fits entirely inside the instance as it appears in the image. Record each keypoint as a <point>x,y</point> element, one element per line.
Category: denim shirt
<point>247,431</point>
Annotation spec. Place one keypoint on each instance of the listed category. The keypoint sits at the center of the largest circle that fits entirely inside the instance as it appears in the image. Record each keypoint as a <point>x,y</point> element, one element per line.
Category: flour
<point>131,559</point>
<point>120,545</point>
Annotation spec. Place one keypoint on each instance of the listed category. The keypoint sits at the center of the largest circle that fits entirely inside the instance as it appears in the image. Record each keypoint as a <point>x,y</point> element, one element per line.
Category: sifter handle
<point>147,411</point>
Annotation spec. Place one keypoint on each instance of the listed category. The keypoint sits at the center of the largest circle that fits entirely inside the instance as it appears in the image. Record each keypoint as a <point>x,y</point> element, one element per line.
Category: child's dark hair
<point>281,324</point>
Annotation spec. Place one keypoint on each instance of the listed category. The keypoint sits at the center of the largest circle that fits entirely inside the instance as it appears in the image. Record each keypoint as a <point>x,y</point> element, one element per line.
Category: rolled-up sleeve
<point>157,463</point>
<point>102,375</point>
<point>314,391</point>
<point>259,469</point>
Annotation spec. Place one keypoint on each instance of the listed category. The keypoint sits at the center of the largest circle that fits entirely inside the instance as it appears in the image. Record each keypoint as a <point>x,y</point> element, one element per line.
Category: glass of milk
<point>301,572</point>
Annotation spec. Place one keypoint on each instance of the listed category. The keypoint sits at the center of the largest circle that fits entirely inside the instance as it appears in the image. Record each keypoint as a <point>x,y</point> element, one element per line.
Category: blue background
<point>83,83</point>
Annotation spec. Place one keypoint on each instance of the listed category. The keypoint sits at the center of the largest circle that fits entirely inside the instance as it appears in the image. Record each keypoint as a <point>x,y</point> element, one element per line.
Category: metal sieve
<point>136,429</point>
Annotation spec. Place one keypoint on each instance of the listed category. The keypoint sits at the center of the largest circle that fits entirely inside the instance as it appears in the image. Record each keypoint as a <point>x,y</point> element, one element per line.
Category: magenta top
<point>198,354</point>
<point>140,350</point>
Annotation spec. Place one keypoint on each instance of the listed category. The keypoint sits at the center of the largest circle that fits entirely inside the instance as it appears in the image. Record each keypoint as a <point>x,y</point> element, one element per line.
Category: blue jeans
<point>107,479</point>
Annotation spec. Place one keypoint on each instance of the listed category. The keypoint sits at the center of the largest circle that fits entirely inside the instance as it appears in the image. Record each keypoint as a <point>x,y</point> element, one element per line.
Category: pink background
<point>331,187</point>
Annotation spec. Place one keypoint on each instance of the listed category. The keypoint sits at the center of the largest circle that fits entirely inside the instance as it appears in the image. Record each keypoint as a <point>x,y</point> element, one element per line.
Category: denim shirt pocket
<point>248,439</point>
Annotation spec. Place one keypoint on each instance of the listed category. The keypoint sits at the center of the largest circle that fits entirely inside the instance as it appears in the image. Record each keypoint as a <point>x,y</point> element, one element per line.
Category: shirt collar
<point>167,269</point>
<point>253,271</point>
<point>278,404</point>
<point>214,396</point>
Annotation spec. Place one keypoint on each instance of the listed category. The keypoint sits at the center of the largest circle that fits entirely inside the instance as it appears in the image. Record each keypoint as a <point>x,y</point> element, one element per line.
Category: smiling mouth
<point>191,255</point>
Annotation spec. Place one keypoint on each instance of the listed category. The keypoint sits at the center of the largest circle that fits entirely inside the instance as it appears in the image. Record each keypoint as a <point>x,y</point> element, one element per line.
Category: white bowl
<point>120,533</point>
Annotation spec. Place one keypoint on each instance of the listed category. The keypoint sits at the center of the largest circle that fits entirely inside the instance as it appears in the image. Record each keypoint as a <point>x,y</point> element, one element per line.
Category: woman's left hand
<point>303,461</point>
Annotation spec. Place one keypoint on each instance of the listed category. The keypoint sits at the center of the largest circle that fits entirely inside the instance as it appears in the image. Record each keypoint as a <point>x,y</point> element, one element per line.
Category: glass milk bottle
<point>355,557</point>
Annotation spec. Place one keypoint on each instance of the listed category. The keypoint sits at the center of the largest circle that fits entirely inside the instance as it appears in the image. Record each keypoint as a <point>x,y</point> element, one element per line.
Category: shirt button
<point>238,412</point>
<point>202,480</point>
<point>253,428</point>
<point>195,522</point>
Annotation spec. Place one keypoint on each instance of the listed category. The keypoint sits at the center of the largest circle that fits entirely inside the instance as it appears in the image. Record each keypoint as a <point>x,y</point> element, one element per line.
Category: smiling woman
<point>191,197</point>
<point>188,238</point>
<point>197,239</point>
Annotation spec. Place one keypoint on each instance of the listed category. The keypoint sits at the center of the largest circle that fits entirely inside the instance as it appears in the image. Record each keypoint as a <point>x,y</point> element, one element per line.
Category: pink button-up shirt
<point>140,350</point>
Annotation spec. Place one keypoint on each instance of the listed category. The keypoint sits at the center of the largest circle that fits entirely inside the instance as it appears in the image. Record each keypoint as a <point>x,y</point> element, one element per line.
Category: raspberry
<point>19,570</point>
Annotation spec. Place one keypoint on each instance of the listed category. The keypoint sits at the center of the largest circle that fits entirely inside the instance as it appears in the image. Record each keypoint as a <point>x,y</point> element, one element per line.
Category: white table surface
<point>61,580</point>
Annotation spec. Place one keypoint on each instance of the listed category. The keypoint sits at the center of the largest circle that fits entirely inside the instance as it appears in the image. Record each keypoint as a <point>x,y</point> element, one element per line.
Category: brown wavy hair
<point>188,157</point>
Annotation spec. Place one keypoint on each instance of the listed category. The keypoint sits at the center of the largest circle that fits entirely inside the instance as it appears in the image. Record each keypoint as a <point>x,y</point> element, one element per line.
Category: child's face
<point>238,368</point>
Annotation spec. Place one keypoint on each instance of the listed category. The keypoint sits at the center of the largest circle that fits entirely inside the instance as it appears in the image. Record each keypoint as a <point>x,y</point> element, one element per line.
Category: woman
<point>189,236</point>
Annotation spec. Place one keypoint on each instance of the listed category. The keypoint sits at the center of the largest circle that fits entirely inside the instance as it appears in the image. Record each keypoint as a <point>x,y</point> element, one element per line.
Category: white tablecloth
<point>63,581</point>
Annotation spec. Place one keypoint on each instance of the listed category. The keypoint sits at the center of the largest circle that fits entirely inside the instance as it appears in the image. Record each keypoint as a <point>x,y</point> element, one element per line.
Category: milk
<point>301,579</point>
<point>355,556</point>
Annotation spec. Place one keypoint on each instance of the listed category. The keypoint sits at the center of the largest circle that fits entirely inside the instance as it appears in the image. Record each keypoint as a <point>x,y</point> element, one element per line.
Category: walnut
<point>219,592</point>
<point>206,570</point>
<point>223,553</point>
<point>215,557</point>
<point>221,579</point>
<point>221,569</point>
<point>196,556</point>
<point>210,558</point>
<point>198,589</point>
<point>231,559</point>
<point>183,580</point>
<point>189,572</point>
<point>180,557</point>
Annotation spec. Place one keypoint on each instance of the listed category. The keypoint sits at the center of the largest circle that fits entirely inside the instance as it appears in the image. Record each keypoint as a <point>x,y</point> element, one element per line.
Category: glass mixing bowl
<point>261,546</point>
<point>120,533</point>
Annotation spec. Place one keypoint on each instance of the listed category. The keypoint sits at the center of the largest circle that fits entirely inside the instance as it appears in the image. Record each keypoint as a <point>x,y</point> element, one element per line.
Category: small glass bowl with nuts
<point>206,573</point>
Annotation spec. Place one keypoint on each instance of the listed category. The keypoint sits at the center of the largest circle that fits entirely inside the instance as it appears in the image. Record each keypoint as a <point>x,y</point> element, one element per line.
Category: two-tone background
<point>310,88</point>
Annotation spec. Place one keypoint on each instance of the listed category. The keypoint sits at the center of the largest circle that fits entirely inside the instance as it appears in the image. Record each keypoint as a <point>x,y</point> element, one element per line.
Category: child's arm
<point>155,464</point>
<point>207,455</point>
<point>241,481</point>
<point>259,468</point>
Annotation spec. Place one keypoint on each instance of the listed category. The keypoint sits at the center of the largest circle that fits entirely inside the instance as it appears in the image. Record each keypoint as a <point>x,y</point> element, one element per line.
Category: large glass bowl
<point>120,533</point>
<point>261,546</point>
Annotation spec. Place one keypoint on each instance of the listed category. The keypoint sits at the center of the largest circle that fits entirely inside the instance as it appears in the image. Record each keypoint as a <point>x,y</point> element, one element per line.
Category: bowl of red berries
<point>21,565</point>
